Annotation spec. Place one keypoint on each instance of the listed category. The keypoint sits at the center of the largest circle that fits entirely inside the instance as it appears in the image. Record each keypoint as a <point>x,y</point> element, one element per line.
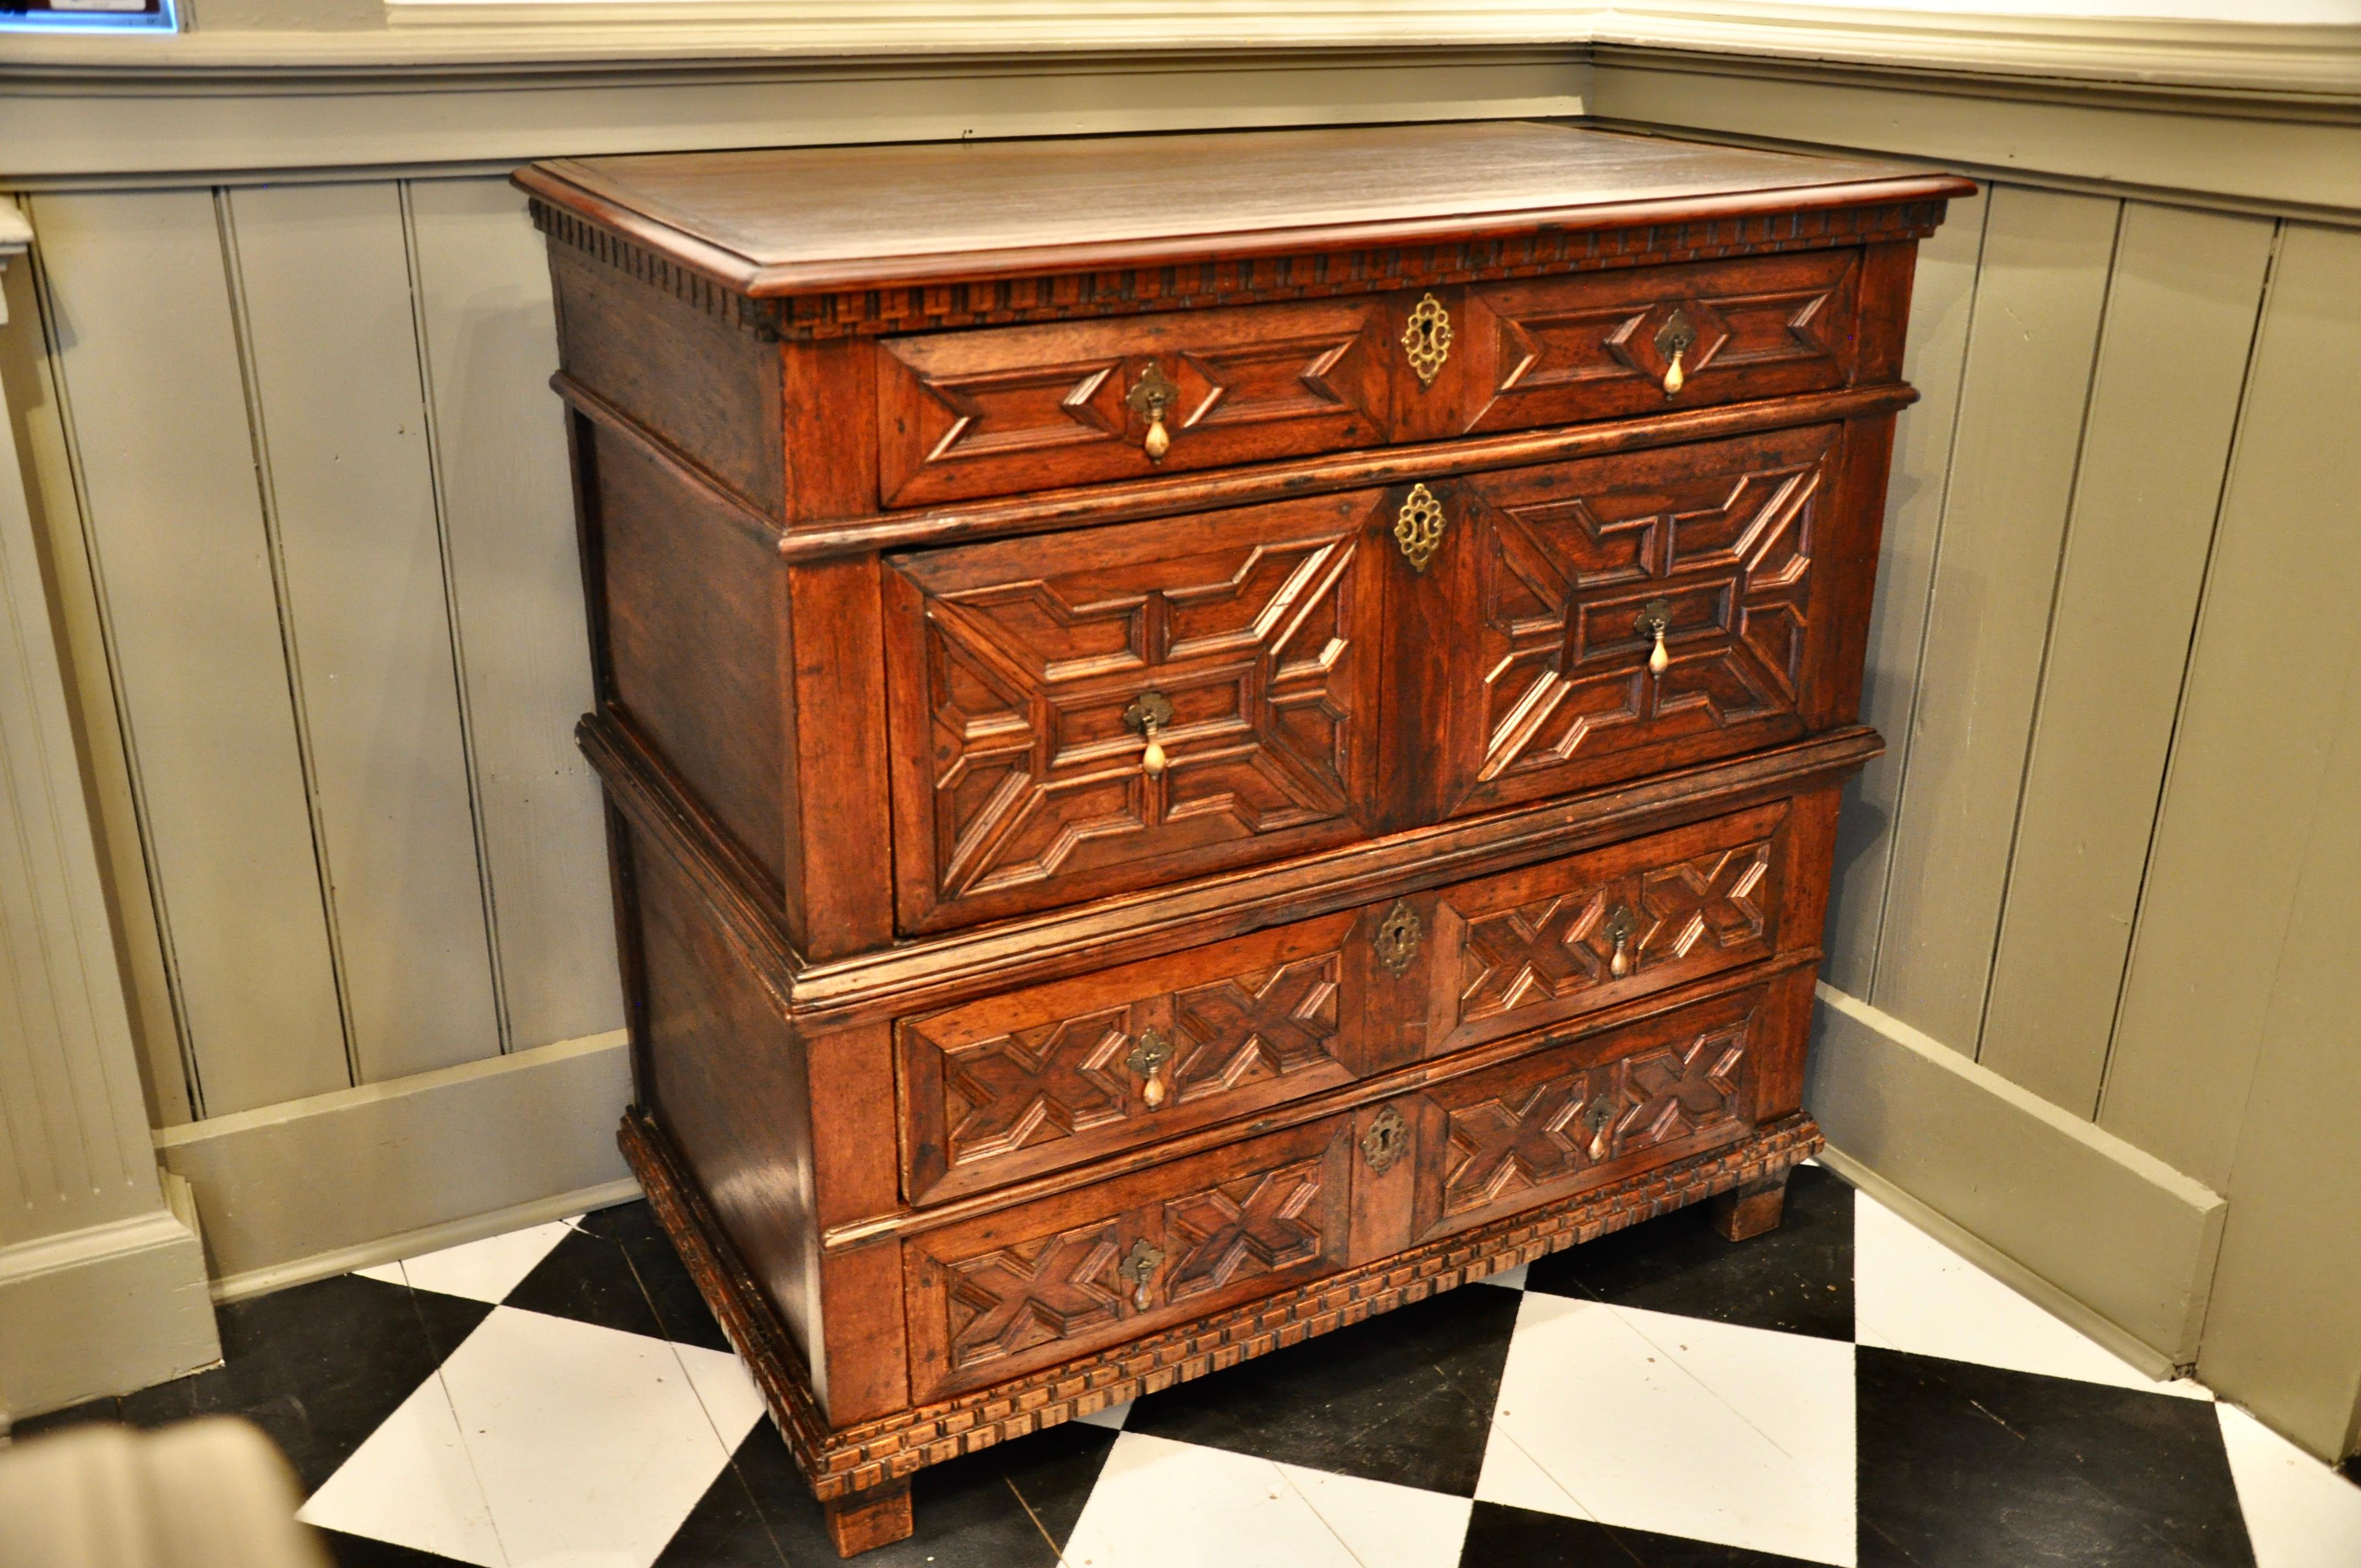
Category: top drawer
<point>1002,410</point>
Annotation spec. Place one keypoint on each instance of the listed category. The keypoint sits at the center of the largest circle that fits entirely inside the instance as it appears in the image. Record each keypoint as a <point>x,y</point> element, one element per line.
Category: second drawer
<point>1050,1076</point>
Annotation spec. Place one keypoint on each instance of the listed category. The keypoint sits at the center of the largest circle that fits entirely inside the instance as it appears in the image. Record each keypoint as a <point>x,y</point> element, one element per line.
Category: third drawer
<point>1036,1080</point>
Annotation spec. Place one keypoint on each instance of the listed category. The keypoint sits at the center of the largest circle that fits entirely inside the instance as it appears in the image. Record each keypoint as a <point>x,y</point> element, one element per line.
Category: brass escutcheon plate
<point>1386,1141</point>
<point>1397,937</point>
<point>1418,527</point>
<point>1427,339</point>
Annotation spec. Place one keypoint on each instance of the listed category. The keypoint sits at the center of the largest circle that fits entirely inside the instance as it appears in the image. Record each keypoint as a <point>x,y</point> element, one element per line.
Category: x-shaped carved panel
<point>1520,1140</point>
<point>1006,1302</point>
<point>1254,1225</point>
<point>1534,953</point>
<point>1051,1082</point>
<point>1256,1026</point>
<point>1685,1088</point>
<point>1713,897</point>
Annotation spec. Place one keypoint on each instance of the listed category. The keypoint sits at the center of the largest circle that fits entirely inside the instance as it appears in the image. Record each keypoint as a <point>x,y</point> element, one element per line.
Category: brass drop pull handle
<point>1619,926</point>
<point>1138,1266</point>
<point>1600,1120</point>
<point>1149,713</point>
<point>1655,618</point>
<point>1149,397</point>
<point>1673,340</point>
<point>1153,1049</point>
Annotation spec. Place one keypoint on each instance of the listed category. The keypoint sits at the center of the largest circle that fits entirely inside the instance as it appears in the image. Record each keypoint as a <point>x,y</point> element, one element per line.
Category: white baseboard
<point>2103,1234</point>
<point>106,1309</point>
<point>313,1186</point>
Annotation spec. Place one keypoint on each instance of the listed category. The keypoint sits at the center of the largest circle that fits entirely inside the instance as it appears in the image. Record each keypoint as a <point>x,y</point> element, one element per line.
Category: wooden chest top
<point>802,220</point>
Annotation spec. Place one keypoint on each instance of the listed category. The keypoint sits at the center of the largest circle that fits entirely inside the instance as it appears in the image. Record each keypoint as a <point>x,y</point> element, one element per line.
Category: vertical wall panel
<point>2283,1334</point>
<point>341,416</point>
<point>29,382</point>
<point>147,354</point>
<point>483,280</point>
<point>2029,354</point>
<point>1941,306</point>
<point>2277,642</point>
<point>2172,359</point>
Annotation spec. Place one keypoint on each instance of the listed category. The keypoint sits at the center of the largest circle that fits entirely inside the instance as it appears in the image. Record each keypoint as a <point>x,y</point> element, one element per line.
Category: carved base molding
<point>840,1462</point>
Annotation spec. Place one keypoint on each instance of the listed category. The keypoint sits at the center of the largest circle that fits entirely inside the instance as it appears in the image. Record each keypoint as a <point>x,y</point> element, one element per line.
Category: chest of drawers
<point>1209,734</point>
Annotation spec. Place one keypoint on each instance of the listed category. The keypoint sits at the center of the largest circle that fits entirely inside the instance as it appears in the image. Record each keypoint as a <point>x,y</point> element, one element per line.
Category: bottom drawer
<point>1005,1293</point>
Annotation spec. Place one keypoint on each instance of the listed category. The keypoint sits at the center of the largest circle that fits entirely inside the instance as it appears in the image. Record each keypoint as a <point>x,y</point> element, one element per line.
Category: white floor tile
<point>1508,1278</point>
<point>1913,1293</point>
<point>1112,1418</point>
<point>1159,1504</point>
<point>592,1444</point>
<point>485,1270</point>
<point>2299,1513</point>
<point>1385,1526</point>
<point>1678,1425</point>
<point>412,1483</point>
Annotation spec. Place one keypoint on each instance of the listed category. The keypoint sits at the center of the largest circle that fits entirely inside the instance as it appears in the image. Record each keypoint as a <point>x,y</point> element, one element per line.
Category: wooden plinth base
<point>861,1472</point>
<point>1750,1209</point>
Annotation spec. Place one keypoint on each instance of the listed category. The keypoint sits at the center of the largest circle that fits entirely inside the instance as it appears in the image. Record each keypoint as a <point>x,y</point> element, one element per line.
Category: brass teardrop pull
<point>1138,1266</point>
<point>1147,1058</point>
<point>1618,931</point>
<point>1600,1120</point>
<point>1673,340</point>
<point>1149,713</point>
<point>1654,619</point>
<point>1149,396</point>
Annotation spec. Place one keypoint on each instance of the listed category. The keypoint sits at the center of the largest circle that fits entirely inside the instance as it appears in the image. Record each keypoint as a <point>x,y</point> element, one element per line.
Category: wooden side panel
<point>2180,319</point>
<point>2277,645</point>
<point>1941,303</point>
<point>2029,352</point>
<point>342,414</point>
<point>726,1077</point>
<point>500,443</point>
<point>690,608</point>
<point>183,560</point>
<point>707,389</point>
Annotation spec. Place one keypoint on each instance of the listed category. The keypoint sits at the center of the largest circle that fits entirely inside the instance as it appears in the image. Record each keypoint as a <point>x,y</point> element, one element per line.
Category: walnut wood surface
<point>987,1074</point>
<point>774,222</point>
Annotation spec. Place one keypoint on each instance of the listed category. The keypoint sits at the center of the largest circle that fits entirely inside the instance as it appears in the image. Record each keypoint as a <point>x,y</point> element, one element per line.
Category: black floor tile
<point>618,1270</point>
<point>1503,1537</point>
<point>2351,1469</point>
<point>1797,1278</point>
<point>317,1367</point>
<point>360,1552</point>
<point>1011,1506</point>
<point>1967,1466</point>
<point>29,1427</point>
<point>1406,1397</point>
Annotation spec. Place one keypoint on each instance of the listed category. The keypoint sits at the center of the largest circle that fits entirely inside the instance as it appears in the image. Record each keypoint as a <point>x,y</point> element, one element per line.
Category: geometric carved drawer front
<point>1538,946</point>
<point>1018,673</point>
<point>1592,346</point>
<point>994,1296</point>
<point>1048,1077</point>
<point>1558,582</point>
<point>1007,410</point>
<point>1537,1128</point>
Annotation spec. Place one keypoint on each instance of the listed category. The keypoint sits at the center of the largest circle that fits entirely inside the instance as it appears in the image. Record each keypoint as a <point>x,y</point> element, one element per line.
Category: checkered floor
<point>1843,1390</point>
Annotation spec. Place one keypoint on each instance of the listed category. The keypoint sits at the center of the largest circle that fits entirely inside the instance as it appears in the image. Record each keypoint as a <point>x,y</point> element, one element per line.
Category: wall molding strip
<point>2103,1234</point>
<point>419,1162</point>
